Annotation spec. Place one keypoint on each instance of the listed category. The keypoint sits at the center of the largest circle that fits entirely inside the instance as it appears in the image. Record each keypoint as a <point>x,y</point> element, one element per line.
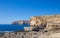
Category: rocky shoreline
<point>32,34</point>
<point>50,24</point>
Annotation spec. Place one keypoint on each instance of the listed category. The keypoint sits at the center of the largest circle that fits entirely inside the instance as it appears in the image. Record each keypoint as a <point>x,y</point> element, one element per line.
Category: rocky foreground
<point>32,34</point>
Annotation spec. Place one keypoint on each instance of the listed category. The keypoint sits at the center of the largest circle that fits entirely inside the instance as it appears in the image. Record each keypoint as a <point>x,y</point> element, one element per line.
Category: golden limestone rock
<point>37,21</point>
<point>53,25</point>
<point>51,21</point>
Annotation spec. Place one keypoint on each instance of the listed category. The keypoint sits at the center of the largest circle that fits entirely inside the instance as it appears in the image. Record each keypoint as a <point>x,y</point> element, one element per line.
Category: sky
<point>13,10</point>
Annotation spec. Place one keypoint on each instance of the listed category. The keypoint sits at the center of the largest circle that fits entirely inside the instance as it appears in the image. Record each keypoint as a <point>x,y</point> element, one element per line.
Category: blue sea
<point>12,27</point>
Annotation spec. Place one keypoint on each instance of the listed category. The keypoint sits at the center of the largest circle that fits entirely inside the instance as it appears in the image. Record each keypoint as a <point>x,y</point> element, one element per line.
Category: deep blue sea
<point>11,27</point>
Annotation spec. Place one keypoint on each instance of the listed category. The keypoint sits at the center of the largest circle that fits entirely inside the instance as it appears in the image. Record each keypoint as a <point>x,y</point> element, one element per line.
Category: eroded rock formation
<point>53,25</point>
<point>22,22</point>
<point>45,20</point>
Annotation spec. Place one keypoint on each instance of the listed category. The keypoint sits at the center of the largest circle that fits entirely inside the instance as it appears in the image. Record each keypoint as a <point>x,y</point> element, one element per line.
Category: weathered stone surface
<point>37,21</point>
<point>33,34</point>
<point>53,25</point>
<point>44,21</point>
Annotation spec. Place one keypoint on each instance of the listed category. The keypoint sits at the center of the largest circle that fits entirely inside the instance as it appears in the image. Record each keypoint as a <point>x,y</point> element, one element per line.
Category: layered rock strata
<point>38,21</point>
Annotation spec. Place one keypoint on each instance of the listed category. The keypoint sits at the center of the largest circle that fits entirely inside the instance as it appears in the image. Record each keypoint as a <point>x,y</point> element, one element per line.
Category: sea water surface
<point>12,27</point>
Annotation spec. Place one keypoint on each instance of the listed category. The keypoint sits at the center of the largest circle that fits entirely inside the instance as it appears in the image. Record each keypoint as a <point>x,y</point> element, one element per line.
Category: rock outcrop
<point>53,25</point>
<point>38,21</point>
<point>22,22</point>
<point>46,22</point>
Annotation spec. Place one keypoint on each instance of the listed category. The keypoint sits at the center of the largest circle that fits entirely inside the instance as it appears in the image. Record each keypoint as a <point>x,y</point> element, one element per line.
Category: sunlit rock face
<point>32,21</point>
<point>53,25</point>
<point>37,21</point>
<point>44,20</point>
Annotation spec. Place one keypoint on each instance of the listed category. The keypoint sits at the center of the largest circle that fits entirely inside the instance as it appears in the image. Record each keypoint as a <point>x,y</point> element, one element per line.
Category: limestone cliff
<point>45,20</point>
<point>21,22</point>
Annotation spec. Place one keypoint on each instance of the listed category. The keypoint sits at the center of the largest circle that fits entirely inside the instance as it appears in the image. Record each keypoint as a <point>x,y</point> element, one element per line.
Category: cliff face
<point>21,22</point>
<point>15,22</point>
<point>53,25</point>
<point>48,22</point>
<point>45,20</point>
<point>37,21</point>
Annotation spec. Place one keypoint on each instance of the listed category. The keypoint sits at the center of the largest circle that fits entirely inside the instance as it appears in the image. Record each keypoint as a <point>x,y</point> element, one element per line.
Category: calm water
<point>10,27</point>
